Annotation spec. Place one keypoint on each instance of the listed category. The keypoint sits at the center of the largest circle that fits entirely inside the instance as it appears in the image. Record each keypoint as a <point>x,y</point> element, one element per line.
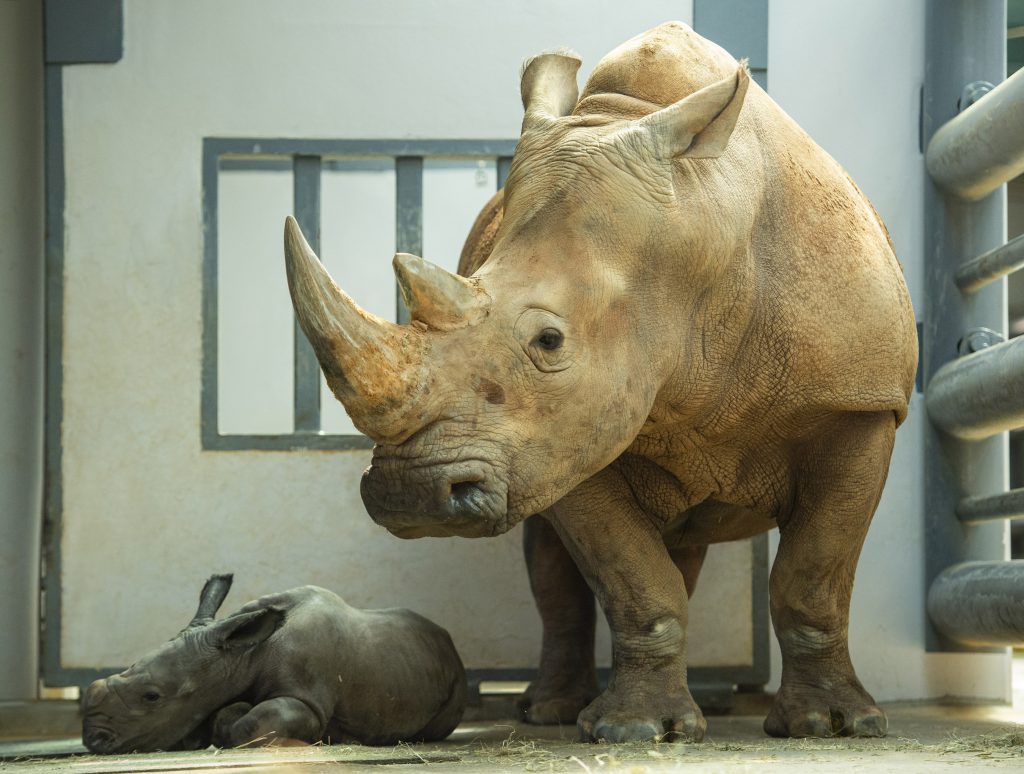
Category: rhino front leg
<point>812,580</point>
<point>643,594</point>
<point>273,721</point>
<point>567,680</point>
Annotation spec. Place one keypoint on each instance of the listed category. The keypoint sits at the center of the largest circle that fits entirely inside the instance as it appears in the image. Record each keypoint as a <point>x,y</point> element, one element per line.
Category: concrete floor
<point>923,738</point>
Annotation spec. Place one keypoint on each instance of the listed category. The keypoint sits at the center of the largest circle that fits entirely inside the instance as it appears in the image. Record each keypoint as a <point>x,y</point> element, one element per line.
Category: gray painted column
<point>966,42</point>
<point>21,345</point>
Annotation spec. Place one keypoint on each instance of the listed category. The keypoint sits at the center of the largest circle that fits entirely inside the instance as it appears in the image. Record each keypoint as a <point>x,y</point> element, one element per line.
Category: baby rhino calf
<point>300,665</point>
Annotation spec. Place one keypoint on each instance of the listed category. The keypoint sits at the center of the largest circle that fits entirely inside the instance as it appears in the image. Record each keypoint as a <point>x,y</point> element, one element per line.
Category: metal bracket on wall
<point>83,31</point>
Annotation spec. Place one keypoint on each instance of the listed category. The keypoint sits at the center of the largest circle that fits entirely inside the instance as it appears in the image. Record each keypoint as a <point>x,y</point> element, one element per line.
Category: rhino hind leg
<point>812,581</point>
<point>567,679</point>
<point>279,721</point>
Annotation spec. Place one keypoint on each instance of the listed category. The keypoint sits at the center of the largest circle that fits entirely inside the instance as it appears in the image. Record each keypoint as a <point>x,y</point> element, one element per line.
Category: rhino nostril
<point>466,495</point>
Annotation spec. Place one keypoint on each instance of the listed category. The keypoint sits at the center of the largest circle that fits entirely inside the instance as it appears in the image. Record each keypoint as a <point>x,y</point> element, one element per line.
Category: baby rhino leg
<point>275,721</point>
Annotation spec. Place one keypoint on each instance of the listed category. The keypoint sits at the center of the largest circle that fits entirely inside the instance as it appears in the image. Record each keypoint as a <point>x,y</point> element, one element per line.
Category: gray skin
<point>300,665</point>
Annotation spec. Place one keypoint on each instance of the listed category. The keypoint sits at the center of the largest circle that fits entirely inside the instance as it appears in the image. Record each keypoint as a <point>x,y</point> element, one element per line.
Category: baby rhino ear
<point>246,630</point>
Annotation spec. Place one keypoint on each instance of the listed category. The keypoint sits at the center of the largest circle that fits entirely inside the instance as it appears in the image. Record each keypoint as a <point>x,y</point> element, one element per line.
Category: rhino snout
<point>461,499</point>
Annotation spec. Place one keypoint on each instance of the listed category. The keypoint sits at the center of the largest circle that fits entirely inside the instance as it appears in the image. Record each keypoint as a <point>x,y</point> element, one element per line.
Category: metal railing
<point>972,399</point>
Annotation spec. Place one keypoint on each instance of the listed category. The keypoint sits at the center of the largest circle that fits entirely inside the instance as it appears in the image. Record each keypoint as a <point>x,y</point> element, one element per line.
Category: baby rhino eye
<point>549,339</point>
<point>151,696</point>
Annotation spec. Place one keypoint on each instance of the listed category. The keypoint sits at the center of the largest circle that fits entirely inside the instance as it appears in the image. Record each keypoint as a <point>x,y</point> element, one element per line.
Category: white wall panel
<point>142,500</point>
<point>850,74</point>
<point>254,313</point>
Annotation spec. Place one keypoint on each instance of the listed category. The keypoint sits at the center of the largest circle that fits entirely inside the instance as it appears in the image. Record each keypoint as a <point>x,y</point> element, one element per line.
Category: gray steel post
<point>983,147</point>
<point>966,42</point>
<point>980,603</point>
<point>306,369</point>
<point>21,347</point>
<point>408,216</point>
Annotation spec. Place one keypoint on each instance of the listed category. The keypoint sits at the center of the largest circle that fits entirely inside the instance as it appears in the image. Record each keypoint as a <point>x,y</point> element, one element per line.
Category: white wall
<point>21,343</point>
<point>142,500</point>
<point>850,74</point>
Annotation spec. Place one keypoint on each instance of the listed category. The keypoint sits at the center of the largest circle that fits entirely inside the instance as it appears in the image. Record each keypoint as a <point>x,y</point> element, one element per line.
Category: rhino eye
<point>549,339</point>
<point>151,696</point>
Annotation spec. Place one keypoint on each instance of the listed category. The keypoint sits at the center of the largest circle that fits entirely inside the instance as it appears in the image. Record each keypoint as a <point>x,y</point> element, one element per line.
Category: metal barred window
<point>249,185</point>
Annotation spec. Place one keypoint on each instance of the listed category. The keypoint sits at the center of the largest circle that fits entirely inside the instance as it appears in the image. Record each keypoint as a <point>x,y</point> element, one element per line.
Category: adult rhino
<point>684,325</point>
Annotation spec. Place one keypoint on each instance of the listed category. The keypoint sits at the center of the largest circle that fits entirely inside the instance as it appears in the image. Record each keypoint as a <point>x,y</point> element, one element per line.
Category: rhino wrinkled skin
<point>680,323</point>
<point>301,665</point>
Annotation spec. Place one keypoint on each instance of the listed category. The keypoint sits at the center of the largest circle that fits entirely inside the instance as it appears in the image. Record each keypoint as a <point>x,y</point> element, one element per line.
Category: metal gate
<point>973,377</point>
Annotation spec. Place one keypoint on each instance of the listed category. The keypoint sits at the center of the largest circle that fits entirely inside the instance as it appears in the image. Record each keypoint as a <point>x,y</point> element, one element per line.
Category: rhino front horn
<point>436,297</point>
<point>373,366</point>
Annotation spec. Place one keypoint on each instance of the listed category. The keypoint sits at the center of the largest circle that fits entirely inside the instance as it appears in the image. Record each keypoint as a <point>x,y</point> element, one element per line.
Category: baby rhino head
<point>162,702</point>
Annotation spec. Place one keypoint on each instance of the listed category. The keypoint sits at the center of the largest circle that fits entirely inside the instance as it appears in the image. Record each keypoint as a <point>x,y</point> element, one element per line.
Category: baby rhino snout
<point>95,736</point>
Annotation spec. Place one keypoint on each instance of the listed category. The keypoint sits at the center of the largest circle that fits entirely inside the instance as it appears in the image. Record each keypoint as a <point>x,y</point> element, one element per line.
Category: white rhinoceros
<point>684,324</point>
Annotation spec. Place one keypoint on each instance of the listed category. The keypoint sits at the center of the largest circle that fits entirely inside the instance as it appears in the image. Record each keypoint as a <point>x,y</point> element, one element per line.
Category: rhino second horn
<point>436,297</point>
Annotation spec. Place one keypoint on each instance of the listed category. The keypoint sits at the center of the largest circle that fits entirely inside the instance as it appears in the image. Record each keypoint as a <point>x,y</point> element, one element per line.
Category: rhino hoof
<point>799,715</point>
<point>687,727</point>
<point>627,731</point>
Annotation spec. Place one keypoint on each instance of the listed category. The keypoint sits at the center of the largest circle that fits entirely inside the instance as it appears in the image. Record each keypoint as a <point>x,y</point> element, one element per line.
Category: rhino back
<point>819,294</point>
<point>658,67</point>
<point>376,676</point>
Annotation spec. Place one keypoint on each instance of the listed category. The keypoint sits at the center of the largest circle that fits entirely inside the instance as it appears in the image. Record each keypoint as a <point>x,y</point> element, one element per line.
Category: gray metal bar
<point>983,147</point>
<point>209,394</point>
<point>990,266</point>
<point>1006,505</point>
<point>408,215</point>
<point>980,603</point>
<point>504,165</point>
<point>965,42</point>
<point>53,497</point>
<point>306,393</point>
<point>286,442</point>
<point>241,147</point>
<point>980,395</point>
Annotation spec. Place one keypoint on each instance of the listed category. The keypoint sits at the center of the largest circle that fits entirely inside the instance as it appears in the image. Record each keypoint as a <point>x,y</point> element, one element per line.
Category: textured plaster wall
<point>148,514</point>
<point>850,74</point>
<point>21,343</point>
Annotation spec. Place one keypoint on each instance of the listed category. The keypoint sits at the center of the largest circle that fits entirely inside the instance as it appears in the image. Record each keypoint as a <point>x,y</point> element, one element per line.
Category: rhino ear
<point>699,126</point>
<point>548,86</point>
<point>246,630</point>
